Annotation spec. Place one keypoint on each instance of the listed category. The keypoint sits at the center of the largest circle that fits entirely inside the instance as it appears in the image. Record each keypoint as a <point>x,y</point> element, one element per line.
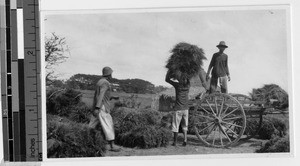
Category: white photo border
<point>49,10</point>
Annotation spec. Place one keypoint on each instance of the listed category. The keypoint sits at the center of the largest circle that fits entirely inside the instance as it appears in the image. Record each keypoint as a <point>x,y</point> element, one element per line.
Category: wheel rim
<point>215,120</point>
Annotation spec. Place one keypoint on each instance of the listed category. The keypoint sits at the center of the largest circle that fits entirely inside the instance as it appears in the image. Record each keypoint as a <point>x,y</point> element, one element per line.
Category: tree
<point>55,49</point>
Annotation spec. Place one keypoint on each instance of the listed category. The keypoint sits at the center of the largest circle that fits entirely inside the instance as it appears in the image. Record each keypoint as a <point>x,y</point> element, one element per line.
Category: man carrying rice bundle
<point>101,107</point>
<point>184,63</point>
<point>219,64</point>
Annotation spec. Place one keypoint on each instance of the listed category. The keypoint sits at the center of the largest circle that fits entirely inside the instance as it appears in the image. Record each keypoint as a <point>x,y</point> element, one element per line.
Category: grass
<point>144,99</point>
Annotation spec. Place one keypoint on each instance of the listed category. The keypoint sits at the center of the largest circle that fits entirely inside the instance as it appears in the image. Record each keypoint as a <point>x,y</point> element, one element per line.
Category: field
<point>145,100</point>
<point>194,145</point>
<point>141,130</point>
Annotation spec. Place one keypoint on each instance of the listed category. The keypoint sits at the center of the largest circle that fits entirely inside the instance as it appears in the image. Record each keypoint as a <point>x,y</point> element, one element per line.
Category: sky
<point>137,45</point>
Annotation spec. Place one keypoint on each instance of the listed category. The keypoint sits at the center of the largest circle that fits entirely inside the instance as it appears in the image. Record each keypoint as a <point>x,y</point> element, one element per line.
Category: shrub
<point>58,101</point>
<point>146,137</point>
<point>276,144</point>
<point>69,139</point>
<point>272,127</point>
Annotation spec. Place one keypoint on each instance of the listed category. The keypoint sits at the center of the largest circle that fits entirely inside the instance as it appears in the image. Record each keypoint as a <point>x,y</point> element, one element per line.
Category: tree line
<point>88,82</point>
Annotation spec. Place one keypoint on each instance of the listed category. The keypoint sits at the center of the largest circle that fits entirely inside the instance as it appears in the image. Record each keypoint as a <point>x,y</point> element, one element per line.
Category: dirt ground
<point>193,147</point>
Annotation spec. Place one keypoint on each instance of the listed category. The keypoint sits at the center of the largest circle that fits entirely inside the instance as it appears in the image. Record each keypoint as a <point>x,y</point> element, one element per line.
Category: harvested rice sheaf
<point>272,127</point>
<point>186,59</point>
<point>139,128</point>
<point>148,136</point>
<point>79,113</point>
<point>125,119</point>
<point>69,139</point>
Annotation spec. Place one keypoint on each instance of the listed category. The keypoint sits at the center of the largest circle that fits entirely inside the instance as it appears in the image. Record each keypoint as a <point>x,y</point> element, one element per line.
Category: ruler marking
<point>29,47</point>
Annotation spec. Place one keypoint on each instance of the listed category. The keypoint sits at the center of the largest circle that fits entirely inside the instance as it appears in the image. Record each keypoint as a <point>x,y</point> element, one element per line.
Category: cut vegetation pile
<point>271,92</point>
<point>67,103</point>
<point>68,134</point>
<point>272,127</point>
<point>139,128</point>
<point>276,144</point>
<point>66,138</point>
<point>185,59</point>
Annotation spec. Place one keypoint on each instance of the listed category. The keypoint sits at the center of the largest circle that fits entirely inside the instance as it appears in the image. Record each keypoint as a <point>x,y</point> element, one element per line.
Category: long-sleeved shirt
<point>219,63</point>
<point>102,94</point>
<point>182,94</point>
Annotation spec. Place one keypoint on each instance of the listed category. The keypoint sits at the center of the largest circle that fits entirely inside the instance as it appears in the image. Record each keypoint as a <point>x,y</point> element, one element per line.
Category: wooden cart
<point>221,120</point>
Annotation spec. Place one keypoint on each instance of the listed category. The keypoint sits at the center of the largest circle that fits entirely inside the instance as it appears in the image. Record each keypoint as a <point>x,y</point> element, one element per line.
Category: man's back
<point>102,92</point>
<point>182,96</point>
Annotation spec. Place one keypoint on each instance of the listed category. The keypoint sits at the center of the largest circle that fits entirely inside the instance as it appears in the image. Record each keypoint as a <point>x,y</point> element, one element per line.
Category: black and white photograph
<point>167,82</point>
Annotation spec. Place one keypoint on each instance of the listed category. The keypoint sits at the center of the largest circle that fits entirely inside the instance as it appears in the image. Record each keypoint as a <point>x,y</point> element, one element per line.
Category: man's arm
<point>168,79</point>
<point>210,66</point>
<point>202,78</point>
<point>227,69</point>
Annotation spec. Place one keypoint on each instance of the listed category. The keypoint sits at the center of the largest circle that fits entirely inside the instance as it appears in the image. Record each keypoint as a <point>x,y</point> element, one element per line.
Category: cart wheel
<point>253,120</point>
<point>215,120</point>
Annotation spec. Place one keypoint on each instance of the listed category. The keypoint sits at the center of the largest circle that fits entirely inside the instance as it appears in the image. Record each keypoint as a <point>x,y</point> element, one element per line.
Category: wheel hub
<point>218,120</point>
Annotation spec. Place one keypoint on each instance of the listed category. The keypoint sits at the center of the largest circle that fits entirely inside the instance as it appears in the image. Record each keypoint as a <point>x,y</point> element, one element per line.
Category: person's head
<point>107,72</point>
<point>222,46</point>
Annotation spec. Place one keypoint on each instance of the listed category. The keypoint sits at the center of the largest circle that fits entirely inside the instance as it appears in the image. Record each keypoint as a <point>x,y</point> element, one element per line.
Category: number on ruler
<point>29,52</point>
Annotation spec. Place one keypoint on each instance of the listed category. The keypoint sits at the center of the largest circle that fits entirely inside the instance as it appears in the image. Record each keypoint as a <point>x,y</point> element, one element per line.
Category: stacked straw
<point>185,59</point>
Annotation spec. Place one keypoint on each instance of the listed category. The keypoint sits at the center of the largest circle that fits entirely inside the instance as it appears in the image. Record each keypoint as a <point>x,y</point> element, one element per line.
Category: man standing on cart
<point>220,71</point>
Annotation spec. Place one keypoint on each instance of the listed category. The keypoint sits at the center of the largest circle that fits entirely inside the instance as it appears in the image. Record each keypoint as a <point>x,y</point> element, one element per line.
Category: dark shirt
<point>102,94</point>
<point>219,62</point>
<point>182,94</point>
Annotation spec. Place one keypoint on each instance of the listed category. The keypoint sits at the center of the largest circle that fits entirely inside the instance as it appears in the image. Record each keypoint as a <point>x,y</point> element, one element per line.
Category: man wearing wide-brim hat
<point>101,107</point>
<point>220,70</point>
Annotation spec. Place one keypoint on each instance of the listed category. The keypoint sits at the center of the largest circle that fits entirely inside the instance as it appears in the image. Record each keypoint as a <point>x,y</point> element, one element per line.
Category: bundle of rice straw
<point>185,59</point>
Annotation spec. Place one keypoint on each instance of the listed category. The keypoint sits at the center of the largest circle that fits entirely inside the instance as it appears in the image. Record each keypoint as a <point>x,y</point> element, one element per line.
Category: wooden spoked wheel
<point>254,116</point>
<point>215,120</point>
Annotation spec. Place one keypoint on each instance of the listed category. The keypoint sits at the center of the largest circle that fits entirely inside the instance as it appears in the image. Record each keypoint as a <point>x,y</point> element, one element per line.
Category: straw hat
<point>222,44</point>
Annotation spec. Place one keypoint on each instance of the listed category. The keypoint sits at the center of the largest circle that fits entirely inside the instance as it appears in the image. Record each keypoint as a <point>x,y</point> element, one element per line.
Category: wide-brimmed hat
<point>222,44</point>
<point>106,71</point>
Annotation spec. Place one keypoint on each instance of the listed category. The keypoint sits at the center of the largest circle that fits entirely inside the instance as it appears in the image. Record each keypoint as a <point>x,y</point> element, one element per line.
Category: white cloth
<point>177,116</point>
<point>106,122</point>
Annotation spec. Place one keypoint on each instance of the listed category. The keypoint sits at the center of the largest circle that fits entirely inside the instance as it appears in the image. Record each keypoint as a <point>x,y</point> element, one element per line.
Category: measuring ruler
<point>21,80</point>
